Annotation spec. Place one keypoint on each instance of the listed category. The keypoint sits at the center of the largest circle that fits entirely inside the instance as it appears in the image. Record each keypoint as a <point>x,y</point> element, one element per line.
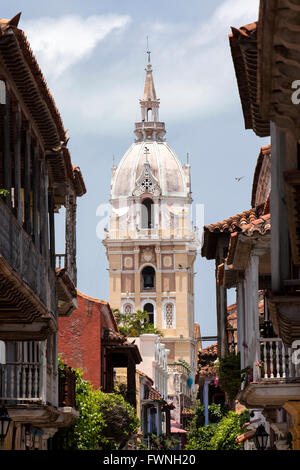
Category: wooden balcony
<point>30,381</point>
<point>27,283</point>
<point>277,379</point>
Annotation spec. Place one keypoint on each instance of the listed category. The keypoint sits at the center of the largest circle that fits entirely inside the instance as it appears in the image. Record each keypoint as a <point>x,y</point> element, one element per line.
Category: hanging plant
<point>229,374</point>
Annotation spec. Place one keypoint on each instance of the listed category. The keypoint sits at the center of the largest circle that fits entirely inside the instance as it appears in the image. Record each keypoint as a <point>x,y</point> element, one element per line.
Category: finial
<point>146,153</point>
<point>187,158</point>
<point>148,52</point>
<point>113,161</point>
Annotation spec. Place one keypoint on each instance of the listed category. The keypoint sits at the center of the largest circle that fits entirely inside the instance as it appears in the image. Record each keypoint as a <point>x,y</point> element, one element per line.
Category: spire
<point>149,128</point>
<point>149,90</point>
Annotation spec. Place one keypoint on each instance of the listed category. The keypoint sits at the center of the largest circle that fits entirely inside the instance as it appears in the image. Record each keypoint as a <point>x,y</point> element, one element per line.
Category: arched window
<point>148,278</point>
<point>147,213</point>
<point>169,313</point>
<point>149,308</point>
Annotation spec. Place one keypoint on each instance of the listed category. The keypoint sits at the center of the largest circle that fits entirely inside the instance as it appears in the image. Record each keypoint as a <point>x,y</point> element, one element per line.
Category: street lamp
<point>261,438</point>
<point>5,420</point>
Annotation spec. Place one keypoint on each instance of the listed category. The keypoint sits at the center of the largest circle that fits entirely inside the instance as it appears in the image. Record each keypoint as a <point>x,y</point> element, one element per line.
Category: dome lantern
<point>149,128</point>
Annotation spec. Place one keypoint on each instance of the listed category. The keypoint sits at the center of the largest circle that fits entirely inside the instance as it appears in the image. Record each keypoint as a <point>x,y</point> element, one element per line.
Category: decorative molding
<point>146,182</point>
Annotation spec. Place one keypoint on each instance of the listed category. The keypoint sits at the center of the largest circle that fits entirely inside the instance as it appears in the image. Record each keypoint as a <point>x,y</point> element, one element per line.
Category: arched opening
<point>149,308</point>
<point>148,278</point>
<point>149,114</point>
<point>147,213</point>
<point>169,315</point>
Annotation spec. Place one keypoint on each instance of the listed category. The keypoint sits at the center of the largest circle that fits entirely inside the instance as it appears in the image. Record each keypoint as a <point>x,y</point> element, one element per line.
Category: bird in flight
<point>239,178</point>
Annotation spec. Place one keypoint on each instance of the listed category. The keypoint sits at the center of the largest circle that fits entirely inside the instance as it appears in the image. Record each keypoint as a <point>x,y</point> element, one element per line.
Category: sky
<point>93,56</point>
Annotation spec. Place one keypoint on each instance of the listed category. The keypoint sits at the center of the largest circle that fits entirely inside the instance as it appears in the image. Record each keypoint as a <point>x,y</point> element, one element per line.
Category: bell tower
<point>150,243</point>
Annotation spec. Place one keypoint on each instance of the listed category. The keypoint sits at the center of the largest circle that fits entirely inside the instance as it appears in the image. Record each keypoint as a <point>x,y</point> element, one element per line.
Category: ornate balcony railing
<point>276,361</point>
<point>178,367</point>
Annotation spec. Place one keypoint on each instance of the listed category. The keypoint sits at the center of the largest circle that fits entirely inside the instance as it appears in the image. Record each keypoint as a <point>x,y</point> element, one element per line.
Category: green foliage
<point>215,414</point>
<point>134,324</point>
<point>228,429</point>
<point>201,438</point>
<point>185,364</point>
<point>4,192</point>
<point>106,421</point>
<point>162,442</point>
<point>229,374</point>
<point>218,436</point>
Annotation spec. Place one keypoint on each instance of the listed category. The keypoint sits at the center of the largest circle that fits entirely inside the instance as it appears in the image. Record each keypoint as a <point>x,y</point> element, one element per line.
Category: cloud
<point>193,70</point>
<point>62,42</point>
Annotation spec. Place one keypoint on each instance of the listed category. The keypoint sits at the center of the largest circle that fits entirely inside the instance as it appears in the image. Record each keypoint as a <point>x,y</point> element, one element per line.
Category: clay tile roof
<point>211,350</point>
<point>154,395</point>
<point>259,226</point>
<point>243,44</point>
<point>144,375</point>
<point>19,60</point>
<point>226,228</point>
<point>205,371</point>
<point>206,358</point>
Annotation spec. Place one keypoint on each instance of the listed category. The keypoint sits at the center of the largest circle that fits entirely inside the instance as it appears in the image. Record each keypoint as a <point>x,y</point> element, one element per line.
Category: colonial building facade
<point>37,176</point>
<point>150,243</point>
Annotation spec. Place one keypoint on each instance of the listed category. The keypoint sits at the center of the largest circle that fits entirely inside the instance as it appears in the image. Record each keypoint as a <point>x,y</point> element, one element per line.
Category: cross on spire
<point>148,52</point>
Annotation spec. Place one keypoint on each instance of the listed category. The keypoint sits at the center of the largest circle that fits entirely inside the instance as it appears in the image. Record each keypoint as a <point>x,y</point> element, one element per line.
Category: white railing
<point>277,360</point>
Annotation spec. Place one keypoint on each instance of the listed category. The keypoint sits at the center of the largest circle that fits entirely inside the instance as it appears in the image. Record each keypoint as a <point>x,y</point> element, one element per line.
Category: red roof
<point>227,227</point>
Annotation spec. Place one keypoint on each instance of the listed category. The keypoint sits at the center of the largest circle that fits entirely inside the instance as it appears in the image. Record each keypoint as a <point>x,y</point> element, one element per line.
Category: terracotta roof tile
<point>231,225</point>
<point>259,226</point>
<point>243,44</point>
<point>144,375</point>
<point>154,395</point>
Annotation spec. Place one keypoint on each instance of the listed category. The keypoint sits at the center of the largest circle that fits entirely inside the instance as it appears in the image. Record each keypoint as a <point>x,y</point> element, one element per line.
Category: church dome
<point>150,165</point>
<point>164,167</point>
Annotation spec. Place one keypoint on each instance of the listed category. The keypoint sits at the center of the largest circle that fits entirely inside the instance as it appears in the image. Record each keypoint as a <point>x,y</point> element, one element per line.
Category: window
<point>169,315</point>
<point>147,210</point>
<point>149,308</point>
<point>148,277</point>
